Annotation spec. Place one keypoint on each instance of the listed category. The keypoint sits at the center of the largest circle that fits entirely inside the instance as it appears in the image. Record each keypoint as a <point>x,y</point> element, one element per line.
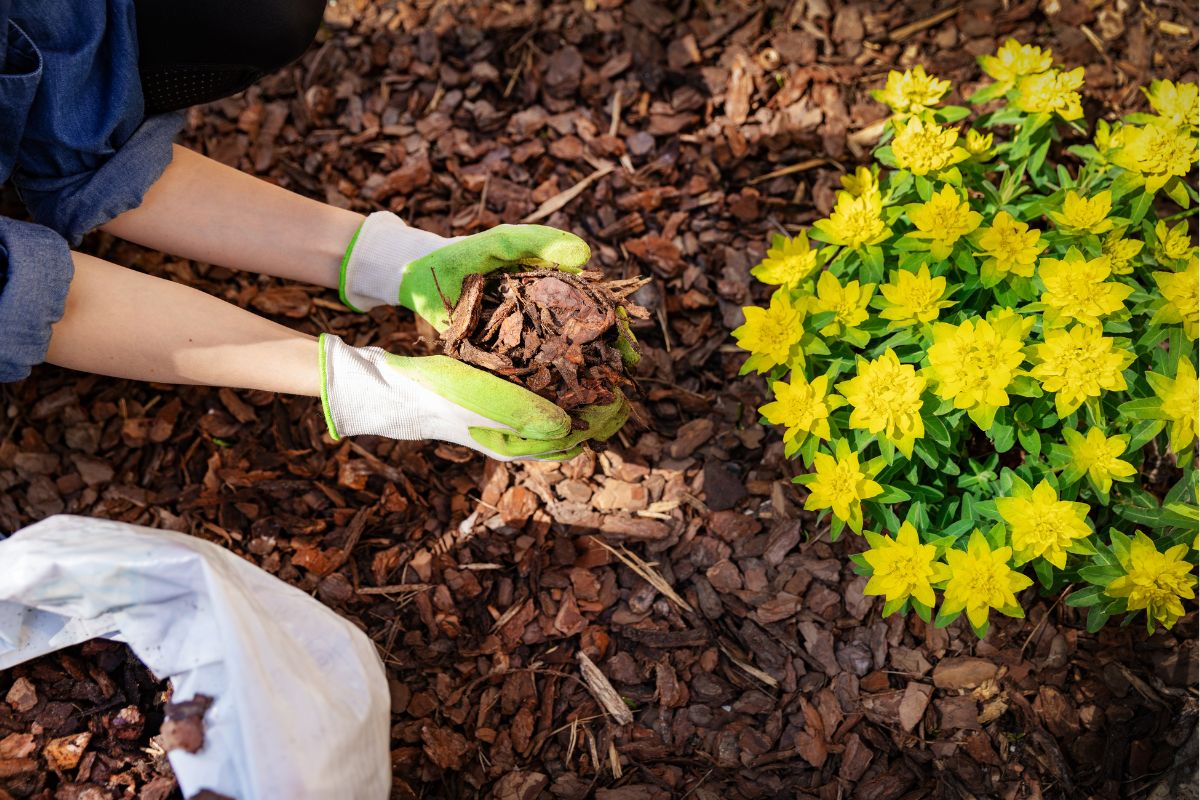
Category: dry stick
<point>646,573</point>
<point>750,669</point>
<point>905,31</point>
<point>562,198</point>
<point>603,690</point>
<point>1045,617</point>
<point>396,588</point>
<point>800,167</point>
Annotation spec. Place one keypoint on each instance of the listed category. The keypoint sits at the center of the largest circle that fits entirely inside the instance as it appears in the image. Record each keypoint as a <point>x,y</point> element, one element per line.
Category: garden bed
<point>764,671</point>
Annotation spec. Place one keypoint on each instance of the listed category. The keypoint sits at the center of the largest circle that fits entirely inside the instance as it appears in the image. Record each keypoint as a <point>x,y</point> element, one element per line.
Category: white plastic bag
<point>301,704</point>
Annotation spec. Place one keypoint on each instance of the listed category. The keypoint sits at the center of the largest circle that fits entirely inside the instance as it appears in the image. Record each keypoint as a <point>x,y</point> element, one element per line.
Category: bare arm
<point>203,210</point>
<point>127,324</point>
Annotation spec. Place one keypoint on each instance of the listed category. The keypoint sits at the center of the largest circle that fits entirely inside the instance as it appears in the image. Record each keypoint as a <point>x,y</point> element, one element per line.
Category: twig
<point>647,573</point>
<point>602,689</point>
<point>905,31</point>
<point>1045,617</point>
<point>800,167</point>
<point>562,198</point>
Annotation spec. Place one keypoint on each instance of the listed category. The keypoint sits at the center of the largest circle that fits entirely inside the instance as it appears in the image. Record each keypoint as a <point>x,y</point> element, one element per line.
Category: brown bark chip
<point>556,333</point>
<point>184,726</point>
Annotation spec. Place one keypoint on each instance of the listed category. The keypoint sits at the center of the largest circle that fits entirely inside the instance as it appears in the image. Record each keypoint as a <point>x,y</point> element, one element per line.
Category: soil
<point>674,138</point>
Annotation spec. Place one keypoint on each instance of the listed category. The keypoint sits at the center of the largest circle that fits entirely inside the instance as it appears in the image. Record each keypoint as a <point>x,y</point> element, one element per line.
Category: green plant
<point>987,350</point>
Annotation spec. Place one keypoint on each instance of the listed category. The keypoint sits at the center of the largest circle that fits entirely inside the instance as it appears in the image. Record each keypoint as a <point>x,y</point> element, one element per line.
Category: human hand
<point>390,263</point>
<point>370,391</point>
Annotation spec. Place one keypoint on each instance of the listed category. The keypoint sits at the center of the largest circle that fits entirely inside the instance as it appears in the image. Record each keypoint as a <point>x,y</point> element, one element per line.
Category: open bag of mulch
<point>293,699</point>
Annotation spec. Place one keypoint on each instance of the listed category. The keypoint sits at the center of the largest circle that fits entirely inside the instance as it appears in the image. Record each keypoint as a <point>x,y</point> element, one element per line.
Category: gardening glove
<point>390,263</point>
<point>367,390</point>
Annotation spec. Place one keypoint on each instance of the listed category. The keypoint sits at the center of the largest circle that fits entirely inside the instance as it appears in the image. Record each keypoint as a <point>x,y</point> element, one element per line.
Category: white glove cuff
<point>377,258</point>
<point>361,394</point>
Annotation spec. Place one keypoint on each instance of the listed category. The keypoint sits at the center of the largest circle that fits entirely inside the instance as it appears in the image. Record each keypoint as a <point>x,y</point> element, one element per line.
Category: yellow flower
<point>1176,103</point>
<point>1174,244</point>
<point>849,303</point>
<point>1079,289</point>
<point>980,580</point>
<point>1181,302</point>
<point>1095,455</point>
<point>973,363</point>
<point>1009,247</point>
<point>863,181</point>
<point>855,221</point>
<point>772,335</point>
<point>1051,92</point>
<point>1085,215</point>
<point>1156,152</point>
<point>903,567</point>
<point>789,262</point>
<point>943,221</point>
<point>1119,252</point>
<point>911,91</point>
<point>840,484</point>
<point>1042,525</point>
<point>1015,60</point>
<point>912,298</point>
<point>885,397</point>
<point>1077,363</point>
<point>802,408</point>
<point>1178,400</point>
<point>1154,581</point>
<point>978,144</point>
<point>924,147</point>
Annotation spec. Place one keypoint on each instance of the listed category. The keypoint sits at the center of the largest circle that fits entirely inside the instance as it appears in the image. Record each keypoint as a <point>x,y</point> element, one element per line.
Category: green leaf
<point>1002,436</point>
<point>1145,408</point>
<point>996,536</point>
<point>1096,619</point>
<point>1044,571</point>
<point>935,430</point>
<point>1031,441</point>
<point>1086,597</point>
<point>924,187</point>
<point>952,113</point>
<point>836,526</point>
<point>1100,575</point>
<point>1176,189</point>
<point>892,606</point>
<point>1140,207</point>
<point>891,495</point>
<point>943,619</point>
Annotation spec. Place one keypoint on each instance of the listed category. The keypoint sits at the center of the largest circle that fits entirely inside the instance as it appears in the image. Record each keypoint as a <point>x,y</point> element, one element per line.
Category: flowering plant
<point>986,364</point>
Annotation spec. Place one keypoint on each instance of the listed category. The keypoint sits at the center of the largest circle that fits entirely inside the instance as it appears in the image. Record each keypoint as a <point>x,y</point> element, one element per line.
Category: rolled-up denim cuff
<point>76,205</point>
<point>35,274</point>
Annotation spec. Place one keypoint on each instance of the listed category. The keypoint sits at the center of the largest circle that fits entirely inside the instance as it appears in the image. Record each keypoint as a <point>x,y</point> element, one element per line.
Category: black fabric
<point>197,51</point>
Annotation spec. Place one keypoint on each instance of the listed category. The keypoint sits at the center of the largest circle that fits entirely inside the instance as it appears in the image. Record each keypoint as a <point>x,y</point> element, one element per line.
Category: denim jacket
<point>75,143</point>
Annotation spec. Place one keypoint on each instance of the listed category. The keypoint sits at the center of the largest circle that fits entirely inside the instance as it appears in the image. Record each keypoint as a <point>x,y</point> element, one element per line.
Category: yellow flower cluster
<point>1155,581</point>
<point>975,286</point>
<point>924,147</point>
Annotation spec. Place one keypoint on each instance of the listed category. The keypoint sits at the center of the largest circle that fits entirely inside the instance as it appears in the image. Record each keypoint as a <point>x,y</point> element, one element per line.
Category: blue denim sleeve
<point>35,272</point>
<point>76,203</point>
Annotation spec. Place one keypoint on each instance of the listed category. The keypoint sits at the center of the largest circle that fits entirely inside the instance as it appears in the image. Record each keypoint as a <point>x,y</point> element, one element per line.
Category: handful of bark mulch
<point>564,336</point>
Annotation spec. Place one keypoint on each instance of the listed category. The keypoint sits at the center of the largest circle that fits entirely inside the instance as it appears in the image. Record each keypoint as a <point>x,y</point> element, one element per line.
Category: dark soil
<point>675,138</point>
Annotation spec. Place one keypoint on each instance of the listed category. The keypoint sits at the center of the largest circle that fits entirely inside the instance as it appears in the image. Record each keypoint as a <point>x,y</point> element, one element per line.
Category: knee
<point>292,28</point>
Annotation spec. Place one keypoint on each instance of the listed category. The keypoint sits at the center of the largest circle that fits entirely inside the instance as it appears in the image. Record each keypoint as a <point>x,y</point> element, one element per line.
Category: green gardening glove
<point>390,263</point>
<point>366,390</point>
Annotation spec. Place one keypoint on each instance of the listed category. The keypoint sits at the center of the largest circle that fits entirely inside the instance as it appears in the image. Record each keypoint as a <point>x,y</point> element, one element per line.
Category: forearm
<point>127,324</point>
<point>203,210</point>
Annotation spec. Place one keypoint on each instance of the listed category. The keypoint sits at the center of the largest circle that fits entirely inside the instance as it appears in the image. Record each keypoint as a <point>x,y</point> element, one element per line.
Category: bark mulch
<point>659,619</point>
